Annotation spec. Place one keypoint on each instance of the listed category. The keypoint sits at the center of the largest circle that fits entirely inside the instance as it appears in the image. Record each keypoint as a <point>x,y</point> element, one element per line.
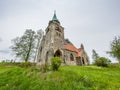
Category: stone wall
<point>68,57</point>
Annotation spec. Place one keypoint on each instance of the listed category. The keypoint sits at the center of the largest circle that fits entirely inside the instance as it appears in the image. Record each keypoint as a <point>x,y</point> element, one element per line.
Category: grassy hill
<point>67,78</point>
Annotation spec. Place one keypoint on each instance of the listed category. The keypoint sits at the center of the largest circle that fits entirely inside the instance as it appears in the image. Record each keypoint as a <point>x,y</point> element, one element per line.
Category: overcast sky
<point>91,22</point>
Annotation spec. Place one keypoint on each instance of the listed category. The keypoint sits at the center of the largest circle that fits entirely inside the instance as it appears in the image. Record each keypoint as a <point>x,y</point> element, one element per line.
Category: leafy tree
<point>99,61</point>
<point>95,55</point>
<point>115,48</point>
<point>39,36</point>
<point>24,46</point>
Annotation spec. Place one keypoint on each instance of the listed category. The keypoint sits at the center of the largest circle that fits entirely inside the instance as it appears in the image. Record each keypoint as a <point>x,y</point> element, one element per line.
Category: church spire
<point>55,17</point>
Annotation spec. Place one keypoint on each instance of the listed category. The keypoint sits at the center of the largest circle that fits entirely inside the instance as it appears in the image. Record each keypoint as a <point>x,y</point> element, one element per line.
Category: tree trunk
<point>30,45</point>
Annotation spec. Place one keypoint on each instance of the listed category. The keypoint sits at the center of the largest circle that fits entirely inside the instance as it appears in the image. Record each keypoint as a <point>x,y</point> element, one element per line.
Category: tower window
<point>57,28</point>
<point>58,34</point>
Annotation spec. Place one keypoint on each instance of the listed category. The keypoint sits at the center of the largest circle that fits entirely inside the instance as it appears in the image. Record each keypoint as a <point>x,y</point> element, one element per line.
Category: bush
<point>102,61</point>
<point>55,63</point>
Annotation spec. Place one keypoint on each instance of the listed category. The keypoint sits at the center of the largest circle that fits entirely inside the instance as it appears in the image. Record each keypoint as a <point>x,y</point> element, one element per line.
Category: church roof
<point>72,48</point>
<point>55,17</point>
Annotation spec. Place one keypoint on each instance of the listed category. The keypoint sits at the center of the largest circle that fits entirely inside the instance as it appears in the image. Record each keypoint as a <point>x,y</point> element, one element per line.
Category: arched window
<point>83,61</point>
<point>71,57</point>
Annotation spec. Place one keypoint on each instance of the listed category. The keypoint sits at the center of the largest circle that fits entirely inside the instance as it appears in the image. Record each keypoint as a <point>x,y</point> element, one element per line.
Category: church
<point>54,44</point>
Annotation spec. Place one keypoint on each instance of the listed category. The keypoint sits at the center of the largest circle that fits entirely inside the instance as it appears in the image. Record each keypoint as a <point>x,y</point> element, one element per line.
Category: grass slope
<point>67,78</point>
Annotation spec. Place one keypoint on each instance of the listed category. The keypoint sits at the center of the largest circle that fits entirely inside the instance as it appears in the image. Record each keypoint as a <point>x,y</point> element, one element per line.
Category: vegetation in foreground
<point>66,78</point>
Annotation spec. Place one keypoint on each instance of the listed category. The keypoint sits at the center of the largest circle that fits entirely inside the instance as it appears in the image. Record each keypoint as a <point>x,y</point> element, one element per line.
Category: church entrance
<point>58,53</point>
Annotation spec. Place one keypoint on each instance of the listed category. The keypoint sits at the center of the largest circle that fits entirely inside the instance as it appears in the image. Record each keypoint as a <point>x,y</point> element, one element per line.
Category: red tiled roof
<point>71,47</point>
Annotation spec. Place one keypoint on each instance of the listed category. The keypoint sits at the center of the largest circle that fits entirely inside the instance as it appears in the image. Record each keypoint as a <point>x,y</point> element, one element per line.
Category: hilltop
<point>66,78</point>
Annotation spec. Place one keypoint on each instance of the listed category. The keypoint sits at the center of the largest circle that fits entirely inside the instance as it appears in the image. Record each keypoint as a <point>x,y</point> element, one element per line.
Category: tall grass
<point>66,78</point>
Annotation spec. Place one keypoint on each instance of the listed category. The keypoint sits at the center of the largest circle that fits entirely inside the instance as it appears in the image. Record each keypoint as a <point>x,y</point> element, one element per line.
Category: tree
<point>98,60</point>
<point>115,48</point>
<point>39,36</point>
<point>24,46</point>
<point>102,61</point>
<point>95,55</point>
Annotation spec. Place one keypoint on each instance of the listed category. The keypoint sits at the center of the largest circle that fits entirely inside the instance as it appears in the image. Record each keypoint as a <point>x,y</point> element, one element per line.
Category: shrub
<point>55,63</point>
<point>102,61</point>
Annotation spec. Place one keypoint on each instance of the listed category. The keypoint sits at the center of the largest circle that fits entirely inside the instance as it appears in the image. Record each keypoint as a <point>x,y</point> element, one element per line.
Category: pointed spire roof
<point>55,17</point>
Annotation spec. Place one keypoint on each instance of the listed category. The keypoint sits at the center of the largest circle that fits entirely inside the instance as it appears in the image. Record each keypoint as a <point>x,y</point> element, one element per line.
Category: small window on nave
<point>71,57</point>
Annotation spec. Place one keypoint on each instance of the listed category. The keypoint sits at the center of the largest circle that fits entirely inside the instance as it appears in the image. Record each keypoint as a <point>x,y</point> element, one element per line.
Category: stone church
<point>54,44</point>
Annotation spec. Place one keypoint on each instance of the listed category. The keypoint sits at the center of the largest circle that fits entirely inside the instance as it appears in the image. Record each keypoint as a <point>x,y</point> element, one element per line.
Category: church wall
<point>67,57</point>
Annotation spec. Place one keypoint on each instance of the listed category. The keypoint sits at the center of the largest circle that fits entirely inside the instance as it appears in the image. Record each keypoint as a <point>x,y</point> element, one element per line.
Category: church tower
<point>52,43</point>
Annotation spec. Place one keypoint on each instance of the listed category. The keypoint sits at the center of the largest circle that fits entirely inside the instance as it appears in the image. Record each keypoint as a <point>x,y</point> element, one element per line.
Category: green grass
<point>67,78</point>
